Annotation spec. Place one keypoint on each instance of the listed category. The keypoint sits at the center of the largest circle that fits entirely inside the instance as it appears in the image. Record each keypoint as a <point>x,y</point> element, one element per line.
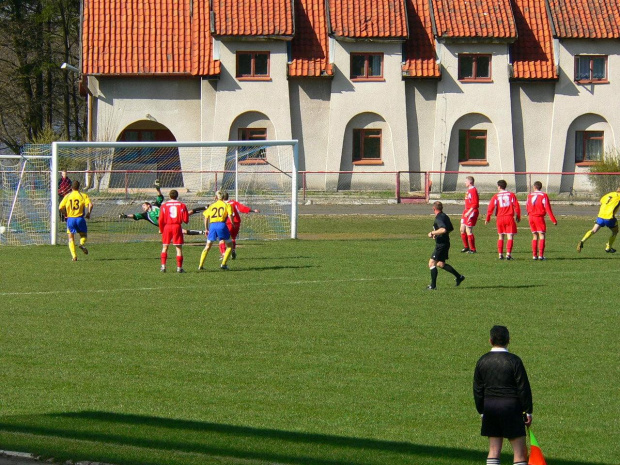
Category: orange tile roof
<point>481,19</point>
<point>253,18</point>
<point>310,46</point>
<point>134,37</point>
<point>368,19</point>
<point>419,59</point>
<point>586,19</point>
<point>532,52</point>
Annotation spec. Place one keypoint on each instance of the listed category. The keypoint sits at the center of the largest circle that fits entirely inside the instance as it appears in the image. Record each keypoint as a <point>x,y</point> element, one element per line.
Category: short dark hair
<point>174,194</point>
<point>225,196</point>
<point>500,336</point>
<point>501,183</point>
<point>538,185</point>
<point>75,186</point>
<point>438,206</point>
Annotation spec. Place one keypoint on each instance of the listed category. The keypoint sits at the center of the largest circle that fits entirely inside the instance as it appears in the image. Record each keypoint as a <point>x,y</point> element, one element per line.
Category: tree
<point>36,37</point>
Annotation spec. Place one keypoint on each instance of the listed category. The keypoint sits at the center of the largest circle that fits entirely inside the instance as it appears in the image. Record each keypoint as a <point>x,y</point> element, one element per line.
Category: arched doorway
<point>147,164</point>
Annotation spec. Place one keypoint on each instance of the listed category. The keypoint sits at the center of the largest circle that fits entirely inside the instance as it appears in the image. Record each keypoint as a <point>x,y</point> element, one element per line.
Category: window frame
<point>365,76</point>
<point>253,76</point>
<point>591,79</point>
<point>469,135</point>
<point>254,134</point>
<point>475,77</point>
<point>361,135</point>
<point>585,137</point>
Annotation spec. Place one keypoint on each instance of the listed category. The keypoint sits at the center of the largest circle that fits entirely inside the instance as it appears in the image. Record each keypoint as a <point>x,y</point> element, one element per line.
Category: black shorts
<point>502,418</point>
<point>440,254</point>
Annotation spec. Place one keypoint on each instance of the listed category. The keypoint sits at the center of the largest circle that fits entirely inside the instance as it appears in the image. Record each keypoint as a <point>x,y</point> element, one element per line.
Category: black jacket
<point>501,374</point>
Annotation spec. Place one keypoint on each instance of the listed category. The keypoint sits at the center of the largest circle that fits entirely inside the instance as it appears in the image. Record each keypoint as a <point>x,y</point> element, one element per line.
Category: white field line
<point>235,285</point>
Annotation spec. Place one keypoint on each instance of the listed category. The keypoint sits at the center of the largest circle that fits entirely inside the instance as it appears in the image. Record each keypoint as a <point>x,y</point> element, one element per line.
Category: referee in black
<point>442,227</point>
<point>503,398</point>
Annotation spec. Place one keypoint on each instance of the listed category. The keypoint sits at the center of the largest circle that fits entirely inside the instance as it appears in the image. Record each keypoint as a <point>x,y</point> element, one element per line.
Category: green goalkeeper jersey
<point>152,216</point>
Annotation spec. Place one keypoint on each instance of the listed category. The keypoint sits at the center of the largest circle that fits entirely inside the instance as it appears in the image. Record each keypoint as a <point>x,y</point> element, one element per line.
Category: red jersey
<point>238,208</point>
<point>471,198</point>
<point>504,203</point>
<point>172,212</point>
<point>538,205</point>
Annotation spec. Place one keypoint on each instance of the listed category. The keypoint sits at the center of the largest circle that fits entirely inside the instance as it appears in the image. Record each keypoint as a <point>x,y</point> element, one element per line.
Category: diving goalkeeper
<point>150,212</point>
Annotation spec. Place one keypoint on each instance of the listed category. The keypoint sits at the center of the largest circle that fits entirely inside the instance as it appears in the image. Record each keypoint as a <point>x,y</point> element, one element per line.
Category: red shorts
<point>506,225</point>
<point>537,224</point>
<point>172,234</point>
<point>470,220</point>
<point>234,229</point>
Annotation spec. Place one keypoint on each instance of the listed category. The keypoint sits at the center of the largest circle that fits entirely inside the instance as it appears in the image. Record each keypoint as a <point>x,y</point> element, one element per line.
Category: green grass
<point>323,350</point>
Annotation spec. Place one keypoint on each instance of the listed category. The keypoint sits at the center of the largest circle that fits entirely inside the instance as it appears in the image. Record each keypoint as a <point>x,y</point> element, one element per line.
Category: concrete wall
<point>366,105</point>
<point>583,107</point>
<point>472,105</point>
<point>530,125</point>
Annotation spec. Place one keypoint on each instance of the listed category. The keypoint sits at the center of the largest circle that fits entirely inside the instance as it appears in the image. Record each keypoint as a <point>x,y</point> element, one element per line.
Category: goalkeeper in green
<point>150,212</point>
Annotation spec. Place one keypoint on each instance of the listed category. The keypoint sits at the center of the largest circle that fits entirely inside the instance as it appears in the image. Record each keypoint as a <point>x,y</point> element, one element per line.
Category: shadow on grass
<point>238,442</point>
<point>505,286</point>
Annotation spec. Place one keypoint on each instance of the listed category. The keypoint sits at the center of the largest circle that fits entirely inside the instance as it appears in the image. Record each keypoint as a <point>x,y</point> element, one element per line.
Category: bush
<point>610,163</point>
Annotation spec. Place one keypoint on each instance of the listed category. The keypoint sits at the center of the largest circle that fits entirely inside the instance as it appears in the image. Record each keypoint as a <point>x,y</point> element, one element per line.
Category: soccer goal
<point>25,197</point>
<point>119,177</point>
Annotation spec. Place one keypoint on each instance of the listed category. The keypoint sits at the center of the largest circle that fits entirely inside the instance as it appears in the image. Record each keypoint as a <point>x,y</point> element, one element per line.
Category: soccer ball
<point>2,229</point>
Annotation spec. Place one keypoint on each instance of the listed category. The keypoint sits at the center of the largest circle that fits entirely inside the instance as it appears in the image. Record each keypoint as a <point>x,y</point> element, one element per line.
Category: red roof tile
<point>482,19</point>
<point>253,18</point>
<point>134,37</point>
<point>586,19</point>
<point>532,53</point>
<point>420,60</point>
<point>310,46</point>
<point>368,19</point>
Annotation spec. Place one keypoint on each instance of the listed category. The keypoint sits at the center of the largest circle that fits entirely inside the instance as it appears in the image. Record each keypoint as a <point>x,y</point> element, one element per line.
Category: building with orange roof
<point>365,85</point>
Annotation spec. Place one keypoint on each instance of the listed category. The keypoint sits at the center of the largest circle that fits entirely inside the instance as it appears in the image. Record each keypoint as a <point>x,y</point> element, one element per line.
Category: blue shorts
<point>611,224</point>
<point>218,232</point>
<point>76,225</point>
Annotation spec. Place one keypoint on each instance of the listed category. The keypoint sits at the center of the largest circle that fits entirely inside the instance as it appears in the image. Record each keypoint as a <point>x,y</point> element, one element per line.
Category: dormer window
<point>591,69</point>
<point>474,67</point>
<point>366,66</point>
<point>252,65</point>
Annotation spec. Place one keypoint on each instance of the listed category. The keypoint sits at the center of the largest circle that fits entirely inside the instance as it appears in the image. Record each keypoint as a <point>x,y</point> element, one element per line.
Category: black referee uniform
<point>502,394</point>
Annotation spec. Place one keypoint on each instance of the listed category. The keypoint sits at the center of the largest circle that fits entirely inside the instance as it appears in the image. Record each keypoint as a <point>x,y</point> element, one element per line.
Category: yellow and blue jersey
<point>75,203</point>
<point>218,212</point>
<point>609,205</point>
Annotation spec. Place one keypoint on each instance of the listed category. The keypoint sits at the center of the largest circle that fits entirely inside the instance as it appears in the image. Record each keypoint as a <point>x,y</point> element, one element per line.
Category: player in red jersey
<point>235,224</point>
<point>470,216</point>
<point>172,214</point>
<point>506,207</point>
<point>538,205</point>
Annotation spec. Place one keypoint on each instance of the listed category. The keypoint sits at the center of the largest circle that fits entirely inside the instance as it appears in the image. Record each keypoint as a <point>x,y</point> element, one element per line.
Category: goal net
<point>25,197</point>
<point>119,177</point>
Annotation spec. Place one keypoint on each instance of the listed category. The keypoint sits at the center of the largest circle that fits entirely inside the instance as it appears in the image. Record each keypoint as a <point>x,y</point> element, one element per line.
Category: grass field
<point>323,350</point>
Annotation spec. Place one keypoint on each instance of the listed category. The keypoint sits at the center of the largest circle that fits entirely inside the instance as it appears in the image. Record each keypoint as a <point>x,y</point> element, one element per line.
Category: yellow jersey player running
<point>606,217</point>
<point>72,207</point>
<point>215,226</point>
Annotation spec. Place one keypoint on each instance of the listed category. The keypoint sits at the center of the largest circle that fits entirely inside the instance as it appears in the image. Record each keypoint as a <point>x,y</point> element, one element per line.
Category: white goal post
<point>119,177</point>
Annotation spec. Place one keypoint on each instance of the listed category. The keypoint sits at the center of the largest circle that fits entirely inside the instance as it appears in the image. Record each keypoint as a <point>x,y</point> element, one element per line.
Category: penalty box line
<point>235,285</point>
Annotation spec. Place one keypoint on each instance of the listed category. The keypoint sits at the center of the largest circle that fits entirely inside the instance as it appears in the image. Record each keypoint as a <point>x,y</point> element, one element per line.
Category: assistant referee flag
<point>536,455</point>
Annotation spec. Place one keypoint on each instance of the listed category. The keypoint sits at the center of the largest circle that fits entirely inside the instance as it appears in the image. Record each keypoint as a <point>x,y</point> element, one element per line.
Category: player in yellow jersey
<point>606,217</point>
<point>76,206</point>
<point>215,227</point>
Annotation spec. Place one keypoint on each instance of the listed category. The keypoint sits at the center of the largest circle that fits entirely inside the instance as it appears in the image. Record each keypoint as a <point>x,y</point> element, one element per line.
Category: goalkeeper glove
<point>157,183</point>
<point>122,216</point>
<point>199,209</point>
